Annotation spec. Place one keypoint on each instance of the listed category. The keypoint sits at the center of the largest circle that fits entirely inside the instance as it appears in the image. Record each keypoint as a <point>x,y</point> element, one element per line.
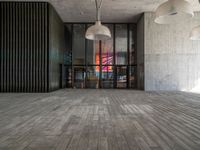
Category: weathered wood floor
<point>100,120</point>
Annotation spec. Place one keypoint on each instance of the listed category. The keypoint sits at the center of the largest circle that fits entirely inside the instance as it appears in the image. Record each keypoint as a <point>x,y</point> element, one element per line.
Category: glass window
<point>93,57</point>
<point>107,48</point>
<point>78,52</point>
<point>68,76</point>
<point>132,77</point>
<point>92,79</point>
<point>107,76</point>
<point>133,54</point>
<point>92,50</point>
<point>79,77</point>
<point>121,44</point>
<point>68,45</point>
<point>121,76</point>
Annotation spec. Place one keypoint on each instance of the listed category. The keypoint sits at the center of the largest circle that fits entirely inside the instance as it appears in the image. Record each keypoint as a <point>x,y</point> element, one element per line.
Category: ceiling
<point>112,10</point>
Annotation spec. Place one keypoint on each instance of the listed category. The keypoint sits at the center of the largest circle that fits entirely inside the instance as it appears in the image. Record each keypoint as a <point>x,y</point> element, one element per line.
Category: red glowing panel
<point>106,60</point>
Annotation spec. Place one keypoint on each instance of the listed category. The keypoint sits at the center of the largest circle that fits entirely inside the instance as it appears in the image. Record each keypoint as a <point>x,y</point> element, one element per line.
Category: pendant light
<point>98,31</point>
<point>174,11</point>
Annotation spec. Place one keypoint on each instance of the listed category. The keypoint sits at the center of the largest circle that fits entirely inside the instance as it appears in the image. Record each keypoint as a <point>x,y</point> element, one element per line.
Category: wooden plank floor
<point>100,120</point>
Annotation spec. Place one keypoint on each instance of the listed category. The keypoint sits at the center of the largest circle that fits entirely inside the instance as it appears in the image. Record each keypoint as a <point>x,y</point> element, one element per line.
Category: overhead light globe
<point>174,11</point>
<point>98,32</point>
<point>195,33</point>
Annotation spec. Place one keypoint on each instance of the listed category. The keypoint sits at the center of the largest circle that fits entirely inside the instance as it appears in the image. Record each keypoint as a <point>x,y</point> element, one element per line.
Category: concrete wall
<point>57,47</point>
<point>140,53</point>
<point>172,60</point>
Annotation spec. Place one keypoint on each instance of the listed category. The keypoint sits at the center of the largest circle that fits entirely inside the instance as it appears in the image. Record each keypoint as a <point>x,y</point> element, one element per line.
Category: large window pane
<point>92,80</point>
<point>78,44</point>
<point>121,76</point>
<point>121,44</point>
<point>68,43</point>
<point>107,77</point>
<point>132,77</point>
<point>133,54</point>
<point>79,77</point>
<point>68,76</point>
<point>107,48</point>
<point>93,57</point>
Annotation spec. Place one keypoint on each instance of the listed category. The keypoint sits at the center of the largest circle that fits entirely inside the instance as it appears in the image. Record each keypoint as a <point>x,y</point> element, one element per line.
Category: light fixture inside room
<point>98,31</point>
<point>174,11</point>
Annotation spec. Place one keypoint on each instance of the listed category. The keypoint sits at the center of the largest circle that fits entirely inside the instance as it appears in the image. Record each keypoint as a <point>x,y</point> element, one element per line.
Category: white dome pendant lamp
<point>174,11</point>
<point>98,31</point>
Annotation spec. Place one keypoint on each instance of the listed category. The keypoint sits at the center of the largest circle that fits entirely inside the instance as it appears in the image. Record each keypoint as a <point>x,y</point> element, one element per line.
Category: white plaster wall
<point>172,60</point>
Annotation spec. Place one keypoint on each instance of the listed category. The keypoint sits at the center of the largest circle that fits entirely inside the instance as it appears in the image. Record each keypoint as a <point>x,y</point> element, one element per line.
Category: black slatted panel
<point>23,47</point>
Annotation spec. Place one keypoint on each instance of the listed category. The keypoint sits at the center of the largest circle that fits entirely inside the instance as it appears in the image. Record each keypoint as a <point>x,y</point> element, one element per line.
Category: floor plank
<point>77,119</point>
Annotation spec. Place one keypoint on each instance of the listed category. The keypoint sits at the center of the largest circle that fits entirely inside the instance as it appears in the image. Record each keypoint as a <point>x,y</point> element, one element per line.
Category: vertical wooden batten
<point>24,46</point>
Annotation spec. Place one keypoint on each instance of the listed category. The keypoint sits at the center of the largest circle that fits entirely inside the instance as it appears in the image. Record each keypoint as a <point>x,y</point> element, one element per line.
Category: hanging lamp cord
<point>98,9</point>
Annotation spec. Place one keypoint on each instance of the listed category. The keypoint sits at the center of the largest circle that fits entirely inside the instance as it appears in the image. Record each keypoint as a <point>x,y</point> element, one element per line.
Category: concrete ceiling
<point>112,10</point>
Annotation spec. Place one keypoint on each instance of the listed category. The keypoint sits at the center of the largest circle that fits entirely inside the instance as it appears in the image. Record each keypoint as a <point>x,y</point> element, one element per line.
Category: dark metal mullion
<point>71,28</point>
<point>128,56</point>
<point>1,48</point>
<point>39,48</point>
<point>72,36</point>
<point>14,47</point>
<point>19,47</point>
<point>42,48</point>
<point>135,56</point>
<point>29,47</point>
<point>100,65</point>
<point>5,47</point>
<point>25,47</point>
<point>22,49</point>
<point>114,57</point>
<point>8,48</point>
<point>47,44</point>
<point>86,50</point>
<point>36,48</point>
<point>11,47</point>
<point>2,44</point>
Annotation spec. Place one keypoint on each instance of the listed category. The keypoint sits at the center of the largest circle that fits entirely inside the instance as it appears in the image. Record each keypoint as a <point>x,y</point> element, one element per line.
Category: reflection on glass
<point>132,77</point>
<point>121,44</point>
<point>92,51</point>
<point>92,80</point>
<point>79,77</point>
<point>78,44</point>
<point>107,76</point>
<point>68,76</point>
<point>132,54</point>
<point>68,50</point>
<point>107,49</point>
<point>121,77</point>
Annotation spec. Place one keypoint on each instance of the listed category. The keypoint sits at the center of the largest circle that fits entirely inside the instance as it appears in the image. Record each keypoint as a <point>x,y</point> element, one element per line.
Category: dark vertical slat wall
<point>24,47</point>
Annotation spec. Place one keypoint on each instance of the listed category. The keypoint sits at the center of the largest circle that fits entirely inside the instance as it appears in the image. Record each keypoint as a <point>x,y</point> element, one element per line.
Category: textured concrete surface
<point>172,60</point>
<point>72,119</point>
<point>112,10</point>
